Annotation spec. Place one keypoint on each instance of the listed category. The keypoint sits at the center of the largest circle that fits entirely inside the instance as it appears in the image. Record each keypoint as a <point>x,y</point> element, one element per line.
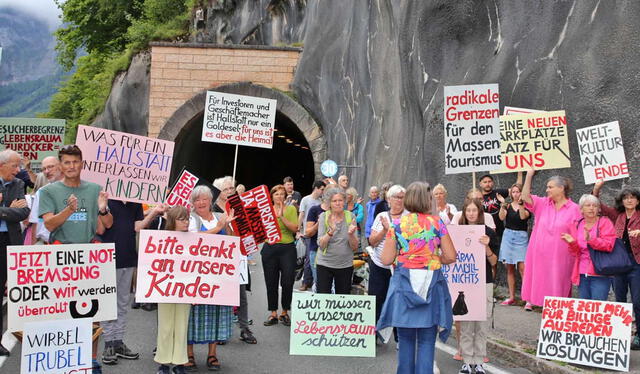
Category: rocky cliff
<point>372,72</point>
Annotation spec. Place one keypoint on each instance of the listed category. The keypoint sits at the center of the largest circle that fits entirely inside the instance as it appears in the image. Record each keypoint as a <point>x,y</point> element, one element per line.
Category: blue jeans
<point>416,350</point>
<point>629,281</point>
<point>307,278</point>
<point>594,287</point>
<point>312,264</point>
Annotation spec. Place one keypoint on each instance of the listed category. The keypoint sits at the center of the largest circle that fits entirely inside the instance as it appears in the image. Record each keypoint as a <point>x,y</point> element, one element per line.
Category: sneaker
<point>109,356</point>
<point>465,369</point>
<point>508,302</point>
<point>247,336</point>
<point>123,351</point>
<point>479,369</point>
<point>235,319</point>
<point>95,367</point>
<point>178,369</point>
<point>635,345</point>
<point>528,307</point>
<point>163,369</point>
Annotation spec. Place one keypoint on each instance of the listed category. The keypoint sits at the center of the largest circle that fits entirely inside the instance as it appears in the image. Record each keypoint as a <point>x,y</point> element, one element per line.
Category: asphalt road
<point>270,355</point>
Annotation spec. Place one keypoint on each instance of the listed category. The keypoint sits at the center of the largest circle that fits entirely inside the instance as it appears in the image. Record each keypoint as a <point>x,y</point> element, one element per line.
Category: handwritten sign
<point>537,140</point>
<point>471,128</point>
<point>34,138</point>
<point>57,347</point>
<point>128,167</point>
<point>239,119</point>
<point>586,332</point>
<point>180,194</point>
<point>53,282</point>
<point>467,276</point>
<point>333,325</point>
<point>256,220</point>
<point>188,268</point>
<point>601,152</point>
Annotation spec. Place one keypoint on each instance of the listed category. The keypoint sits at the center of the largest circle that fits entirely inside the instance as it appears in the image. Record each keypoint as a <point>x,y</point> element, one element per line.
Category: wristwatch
<point>105,212</point>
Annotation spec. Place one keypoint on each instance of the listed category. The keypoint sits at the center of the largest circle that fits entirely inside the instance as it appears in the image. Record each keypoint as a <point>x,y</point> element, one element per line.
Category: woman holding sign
<point>418,301</point>
<point>548,263</point>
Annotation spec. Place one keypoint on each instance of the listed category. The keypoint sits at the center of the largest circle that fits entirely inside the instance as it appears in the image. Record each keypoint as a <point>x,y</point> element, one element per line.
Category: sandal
<point>508,302</point>
<point>212,363</point>
<point>528,307</point>
<point>285,319</point>
<point>191,364</point>
<point>272,320</point>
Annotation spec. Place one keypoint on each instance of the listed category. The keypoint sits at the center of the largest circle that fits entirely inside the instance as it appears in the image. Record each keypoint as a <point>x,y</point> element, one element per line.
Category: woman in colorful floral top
<point>418,302</point>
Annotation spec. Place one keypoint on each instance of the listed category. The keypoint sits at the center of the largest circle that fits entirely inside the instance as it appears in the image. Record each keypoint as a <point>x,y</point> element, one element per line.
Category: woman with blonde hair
<point>444,209</point>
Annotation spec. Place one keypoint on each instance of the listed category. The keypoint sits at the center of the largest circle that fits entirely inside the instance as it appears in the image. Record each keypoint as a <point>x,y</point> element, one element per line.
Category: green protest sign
<point>34,138</point>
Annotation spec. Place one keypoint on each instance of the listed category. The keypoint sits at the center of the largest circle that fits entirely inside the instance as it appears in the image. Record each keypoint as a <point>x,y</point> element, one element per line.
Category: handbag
<point>460,306</point>
<point>610,263</point>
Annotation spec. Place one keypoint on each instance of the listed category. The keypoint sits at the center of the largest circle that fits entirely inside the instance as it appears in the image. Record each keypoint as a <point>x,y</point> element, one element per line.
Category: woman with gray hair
<point>548,263</point>
<point>591,231</point>
<point>337,240</point>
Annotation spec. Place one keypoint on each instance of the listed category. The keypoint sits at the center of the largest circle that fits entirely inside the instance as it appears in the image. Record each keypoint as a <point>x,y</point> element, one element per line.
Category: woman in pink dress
<point>549,263</point>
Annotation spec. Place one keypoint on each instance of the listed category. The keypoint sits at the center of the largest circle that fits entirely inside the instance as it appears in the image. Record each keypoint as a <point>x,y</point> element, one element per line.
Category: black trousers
<point>327,276</point>
<point>379,279</point>
<point>279,265</point>
<point>4,242</point>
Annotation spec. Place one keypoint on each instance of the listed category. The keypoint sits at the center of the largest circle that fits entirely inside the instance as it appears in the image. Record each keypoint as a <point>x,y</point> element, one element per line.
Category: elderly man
<point>13,210</point>
<point>343,182</point>
<point>51,171</point>
<point>374,199</point>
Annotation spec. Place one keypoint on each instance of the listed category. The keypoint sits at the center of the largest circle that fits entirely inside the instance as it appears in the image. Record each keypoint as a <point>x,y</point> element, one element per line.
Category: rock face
<point>372,73</point>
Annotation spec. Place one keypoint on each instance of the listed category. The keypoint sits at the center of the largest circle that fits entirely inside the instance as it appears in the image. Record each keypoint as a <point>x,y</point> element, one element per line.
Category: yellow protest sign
<point>534,140</point>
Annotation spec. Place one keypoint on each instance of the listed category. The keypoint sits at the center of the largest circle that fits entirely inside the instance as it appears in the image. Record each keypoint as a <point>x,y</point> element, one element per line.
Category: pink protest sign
<point>181,192</point>
<point>128,167</point>
<point>467,276</point>
<point>188,268</point>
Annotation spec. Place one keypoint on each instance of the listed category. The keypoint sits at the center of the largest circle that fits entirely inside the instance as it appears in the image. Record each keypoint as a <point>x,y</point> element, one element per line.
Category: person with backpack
<point>337,240</point>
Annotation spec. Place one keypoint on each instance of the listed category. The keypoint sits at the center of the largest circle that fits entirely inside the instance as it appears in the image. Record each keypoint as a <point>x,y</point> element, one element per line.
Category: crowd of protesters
<point>402,231</point>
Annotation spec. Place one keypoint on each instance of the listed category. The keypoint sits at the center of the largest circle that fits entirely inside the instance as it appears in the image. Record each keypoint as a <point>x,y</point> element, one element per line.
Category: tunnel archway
<point>298,148</point>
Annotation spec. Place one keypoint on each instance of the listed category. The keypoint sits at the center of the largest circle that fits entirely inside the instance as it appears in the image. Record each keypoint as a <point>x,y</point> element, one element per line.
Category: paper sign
<point>586,332</point>
<point>333,325</point>
<point>128,167</point>
<point>53,282</point>
<point>535,140</point>
<point>239,119</point>
<point>256,220</point>
<point>57,347</point>
<point>244,270</point>
<point>471,128</point>
<point>511,110</point>
<point>467,277</point>
<point>34,138</point>
<point>180,194</point>
<point>602,153</point>
<point>188,268</point>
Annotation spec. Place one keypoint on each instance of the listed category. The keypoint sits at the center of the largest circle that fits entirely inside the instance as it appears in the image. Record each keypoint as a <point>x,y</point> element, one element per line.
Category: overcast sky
<point>46,10</point>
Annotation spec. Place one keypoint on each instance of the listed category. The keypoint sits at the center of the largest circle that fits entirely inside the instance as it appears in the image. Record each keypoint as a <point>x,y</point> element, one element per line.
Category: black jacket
<point>13,216</point>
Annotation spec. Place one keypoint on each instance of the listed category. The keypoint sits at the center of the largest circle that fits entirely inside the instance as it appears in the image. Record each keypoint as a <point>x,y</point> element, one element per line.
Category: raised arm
<point>526,188</point>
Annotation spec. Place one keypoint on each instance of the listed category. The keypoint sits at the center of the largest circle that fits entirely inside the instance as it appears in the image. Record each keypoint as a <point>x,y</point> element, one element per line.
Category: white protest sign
<point>602,153</point>
<point>238,119</point>
<point>586,332</point>
<point>244,270</point>
<point>511,110</point>
<point>57,347</point>
<point>471,128</point>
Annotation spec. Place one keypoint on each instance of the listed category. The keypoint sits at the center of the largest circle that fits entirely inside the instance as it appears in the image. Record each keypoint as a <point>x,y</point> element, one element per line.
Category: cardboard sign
<point>188,268</point>
<point>239,119</point>
<point>535,140</point>
<point>471,128</point>
<point>128,167</point>
<point>333,325</point>
<point>53,282</point>
<point>256,220</point>
<point>35,138</point>
<point>57,347</point>
<point>602,153</point>
<point>180,194</point>
<point>586,332</point>
<point>467,277</point>
<point>511,110</point>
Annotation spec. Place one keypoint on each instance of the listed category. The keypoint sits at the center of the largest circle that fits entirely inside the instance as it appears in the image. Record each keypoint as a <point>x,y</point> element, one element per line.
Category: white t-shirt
<point>208,225</point>
<point>488,220</point>
<point>306,204</point>
<point>377,226</point>
<point>444,216</point>
<point>41,231</point>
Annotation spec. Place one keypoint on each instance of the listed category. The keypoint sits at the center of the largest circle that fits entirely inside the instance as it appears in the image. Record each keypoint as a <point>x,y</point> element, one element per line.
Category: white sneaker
<point>465,369</point>
<point>480,369</point>
<point>436,370</point>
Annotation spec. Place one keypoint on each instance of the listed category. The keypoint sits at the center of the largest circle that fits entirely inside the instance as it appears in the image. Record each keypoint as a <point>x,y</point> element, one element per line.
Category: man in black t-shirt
<point>490,201</point>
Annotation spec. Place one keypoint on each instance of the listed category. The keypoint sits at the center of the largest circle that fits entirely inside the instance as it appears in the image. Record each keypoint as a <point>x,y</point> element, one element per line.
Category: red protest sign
<point>181,191</point>
<point>256,220</point>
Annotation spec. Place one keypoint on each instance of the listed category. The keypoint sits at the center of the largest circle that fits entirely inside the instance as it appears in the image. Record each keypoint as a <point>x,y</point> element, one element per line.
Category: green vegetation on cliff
<point>110,32</point>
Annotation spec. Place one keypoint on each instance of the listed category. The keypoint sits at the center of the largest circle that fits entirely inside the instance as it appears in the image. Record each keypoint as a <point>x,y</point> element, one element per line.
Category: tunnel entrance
<point>298,146</point>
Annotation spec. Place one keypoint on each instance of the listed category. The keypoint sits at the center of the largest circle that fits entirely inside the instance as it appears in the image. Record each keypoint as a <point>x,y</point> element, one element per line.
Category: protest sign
<point>53,282</point>
<point>128,167</point>
<point>188,268</point>
<point>471,128</point>
<point>602,153</point>
<point>586,332</point>
<point>511,110</point>
<point>180,193</point>
<point>34,138</point>
<point>244,270</point>
<point>467,276</point>
<point>333,325</point>
<point>534,140</point>
<point>57,347</point>
<point>256,220</point>
<point>238,119</point>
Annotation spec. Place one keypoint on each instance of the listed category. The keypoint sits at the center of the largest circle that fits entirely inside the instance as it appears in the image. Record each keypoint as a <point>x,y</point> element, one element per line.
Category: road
<point>270,355</point>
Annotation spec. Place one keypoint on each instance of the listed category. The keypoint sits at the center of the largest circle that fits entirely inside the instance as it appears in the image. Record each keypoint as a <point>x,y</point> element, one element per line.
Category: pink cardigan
<point>604,241</point>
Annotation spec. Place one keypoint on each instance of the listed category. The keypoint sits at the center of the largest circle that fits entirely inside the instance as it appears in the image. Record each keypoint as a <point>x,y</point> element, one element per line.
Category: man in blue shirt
<point>374,199</point>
